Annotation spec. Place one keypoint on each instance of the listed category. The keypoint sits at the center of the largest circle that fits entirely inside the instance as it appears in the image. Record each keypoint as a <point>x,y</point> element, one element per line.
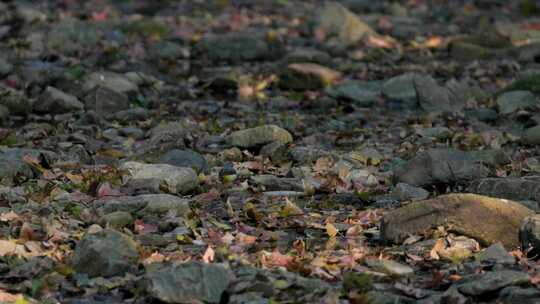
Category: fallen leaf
<point>209,255</point>
<point>8,297</point>
<point>434,252</point>
<point>331,230</point>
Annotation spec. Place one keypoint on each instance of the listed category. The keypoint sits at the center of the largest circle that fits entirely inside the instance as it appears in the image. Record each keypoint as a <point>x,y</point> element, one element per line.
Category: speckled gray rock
<point>191,282</point>
<point>56,101</point>
<point>172,179</point>
<point>512,101</point>
<point>105,253</point>
<point>145,204</point>
<point>480,284</point>
<point>185,158</point>
<point>259,136</point>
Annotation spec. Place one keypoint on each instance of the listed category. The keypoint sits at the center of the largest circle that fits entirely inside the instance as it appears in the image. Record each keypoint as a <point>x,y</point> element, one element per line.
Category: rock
<point>531,136</point>
<point>482,114</point>
<point>185,158</point>
<point>276,151</point>
<point>445,166</point>
<point>145,204</point>
<point>389,267</point>
<point>110,80</point>
<point>262,135</point>
<point>496,253</point>
<point>513,101</point>
<point>105,253</point>
<point>12,164</point>
<point>133,114</point>
<point>58,102</point>
<point>335,20</point>
<point>249,45</point>
<point>435,98</point>
<point>106,102</point>
<point>363,94</point>
<point>189,282</point>
<point>527,82</point>
<point>512,188</point>
<point>514,294</point>
<point>174,179</point>
<point>401,89</point>
<point>406,192</point>
<point>118,219</point>
<point>479,284</point>
<point>462,213</point>
<point>163,138</point>
<point>15,101</point>
<point>466,51</point>
<point>303,55</point>
<point>307,76</point>
<point>440,133</point>
<point>529,235</point>
<point>273,183</point>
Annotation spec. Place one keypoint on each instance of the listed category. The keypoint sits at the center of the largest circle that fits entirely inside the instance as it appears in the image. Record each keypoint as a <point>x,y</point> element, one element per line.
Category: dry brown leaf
<point>439,246</point>
<point>9,216</point>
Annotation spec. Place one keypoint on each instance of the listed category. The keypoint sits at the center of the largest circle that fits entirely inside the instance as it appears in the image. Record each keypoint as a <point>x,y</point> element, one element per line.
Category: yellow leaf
<point>290,209</point>
<point>331,230</point>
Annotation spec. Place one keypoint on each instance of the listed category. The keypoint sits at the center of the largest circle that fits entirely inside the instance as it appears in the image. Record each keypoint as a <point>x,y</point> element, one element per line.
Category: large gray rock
<point>513,188</point>
<point>435,98</point>
<point>146,204</point>
<point>257,136</point>
<point>113,81</point>
<point>513,101</point>
<point>531,136</point>
<point>191,282</point>
<point>185,158</point>
<point>363,94</point>
<point>401,89</point>
<point>57,102</point>
<point>488,220</point>
<point>173,179</point>
<point>105,253</point>
<point>12,164</point>
<point>447,166</point>
<point>480,284</point>
<point>515,294</point>
<point>15,101</point>
<point>105,101</point>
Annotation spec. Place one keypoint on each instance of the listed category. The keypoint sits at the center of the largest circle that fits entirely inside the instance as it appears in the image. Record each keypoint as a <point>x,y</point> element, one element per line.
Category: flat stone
<point>488,220</point>
<point>406,192</point>
<point>389,267</point>
<point>496,253</point>
<point>185,158</point>
<point>189,282</point>
<point>173,179</point>
<point>56,101</point>
<point>513,101</point>
<point>105,253</point>
<point>259,136</point>
<point>492,281</point>
<point>307,76</point>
